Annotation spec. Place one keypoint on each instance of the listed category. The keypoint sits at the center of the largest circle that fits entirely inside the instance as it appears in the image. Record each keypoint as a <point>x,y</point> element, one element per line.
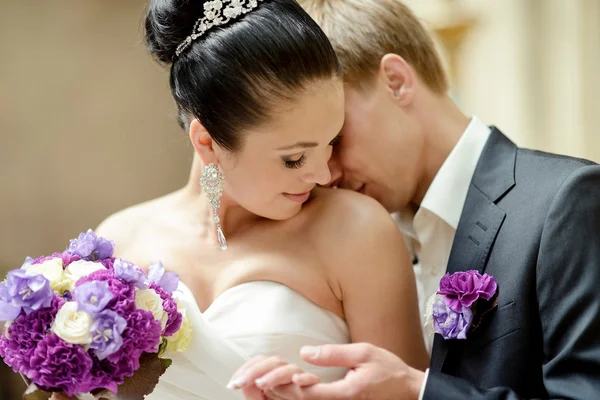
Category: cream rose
<point>73,326</point>
<point>53,271</point>
<point>149,300</point>
<point>180,340</point>
<point>79,269</point>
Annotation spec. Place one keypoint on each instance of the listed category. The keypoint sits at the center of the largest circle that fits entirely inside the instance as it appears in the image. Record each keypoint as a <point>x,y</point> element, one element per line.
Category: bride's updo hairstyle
<point>232,76</point>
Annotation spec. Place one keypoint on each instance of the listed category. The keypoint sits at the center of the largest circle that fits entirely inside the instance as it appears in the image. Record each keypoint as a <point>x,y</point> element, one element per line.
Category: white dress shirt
<point>429,232</point>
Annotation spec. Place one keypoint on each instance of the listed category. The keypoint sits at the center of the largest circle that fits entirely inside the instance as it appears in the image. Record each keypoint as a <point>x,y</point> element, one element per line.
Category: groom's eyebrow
<point>303,145</point>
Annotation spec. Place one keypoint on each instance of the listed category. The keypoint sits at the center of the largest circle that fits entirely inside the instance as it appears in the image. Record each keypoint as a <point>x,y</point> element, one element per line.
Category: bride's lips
<point>298,197</point>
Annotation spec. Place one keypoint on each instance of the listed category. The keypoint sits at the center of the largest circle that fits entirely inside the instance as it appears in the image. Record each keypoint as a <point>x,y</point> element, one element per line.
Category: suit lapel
<point>481,218</point>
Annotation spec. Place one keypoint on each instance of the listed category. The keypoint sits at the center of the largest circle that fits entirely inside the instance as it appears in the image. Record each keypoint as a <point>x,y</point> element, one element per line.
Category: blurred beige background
<point>87,124</point>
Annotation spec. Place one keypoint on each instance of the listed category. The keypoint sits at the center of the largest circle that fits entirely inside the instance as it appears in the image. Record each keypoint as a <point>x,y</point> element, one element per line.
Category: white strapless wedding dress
<point>254,318</point>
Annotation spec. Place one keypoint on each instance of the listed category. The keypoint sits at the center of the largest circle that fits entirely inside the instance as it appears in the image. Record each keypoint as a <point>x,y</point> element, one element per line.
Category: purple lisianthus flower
<point>8,311</point>
<point>462,289</point>
<point>28,290</point>
<point>124,294</point>
<point>91,247</point>
<point>170,307</point>
<point>92,297</point>
<point>22,336</point>
<point>56,364</point>
<point>167,280</point>
<point>449,323</point>
<point>67,258</point>
<point>129,273</point>
<point>142,335</point>
<point>106,332</point>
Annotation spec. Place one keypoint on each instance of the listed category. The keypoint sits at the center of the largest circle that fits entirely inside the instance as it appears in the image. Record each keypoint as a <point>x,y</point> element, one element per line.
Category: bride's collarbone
<point>209,282</point>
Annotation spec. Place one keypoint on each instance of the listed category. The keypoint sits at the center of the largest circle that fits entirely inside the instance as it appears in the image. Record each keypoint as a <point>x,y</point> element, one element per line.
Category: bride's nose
<point>319,175</point>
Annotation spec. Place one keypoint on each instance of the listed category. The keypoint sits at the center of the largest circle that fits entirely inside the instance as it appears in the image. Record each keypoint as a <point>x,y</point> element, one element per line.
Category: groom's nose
<point>336,171</point>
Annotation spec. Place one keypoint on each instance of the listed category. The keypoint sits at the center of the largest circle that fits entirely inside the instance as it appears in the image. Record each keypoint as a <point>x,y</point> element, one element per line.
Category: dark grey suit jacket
<point>531,220</point>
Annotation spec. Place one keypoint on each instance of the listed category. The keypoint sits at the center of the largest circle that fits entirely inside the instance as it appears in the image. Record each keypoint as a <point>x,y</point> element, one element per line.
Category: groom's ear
<point>398,77</point>
<point>202,142</point>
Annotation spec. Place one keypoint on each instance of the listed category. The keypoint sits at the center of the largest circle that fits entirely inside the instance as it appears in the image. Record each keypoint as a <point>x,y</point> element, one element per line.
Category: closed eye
<point>295,164</point>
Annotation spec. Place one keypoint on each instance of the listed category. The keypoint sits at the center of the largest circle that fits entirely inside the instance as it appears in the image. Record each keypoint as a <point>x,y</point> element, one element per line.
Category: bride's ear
<point>202,142</point>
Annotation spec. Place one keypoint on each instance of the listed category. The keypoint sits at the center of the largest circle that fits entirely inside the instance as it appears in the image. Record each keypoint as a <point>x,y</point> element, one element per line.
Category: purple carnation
<point>91,247</point>
<point>448,323</point>
<point>25,332</point>
<point>462,289</point>
<point>56,364</point>
<point>103,375</point>
<point>67,258</point>
<point>108,262</point>
<point>142,335</point>
<point>124,294</point>
<point>170,307</point>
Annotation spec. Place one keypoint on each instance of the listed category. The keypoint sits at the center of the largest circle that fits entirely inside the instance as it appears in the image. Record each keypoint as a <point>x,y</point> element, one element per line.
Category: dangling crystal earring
<point>212,181</point>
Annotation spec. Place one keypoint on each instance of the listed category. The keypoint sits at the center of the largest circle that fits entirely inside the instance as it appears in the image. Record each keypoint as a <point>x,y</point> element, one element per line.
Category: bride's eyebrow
<point>303,145</point>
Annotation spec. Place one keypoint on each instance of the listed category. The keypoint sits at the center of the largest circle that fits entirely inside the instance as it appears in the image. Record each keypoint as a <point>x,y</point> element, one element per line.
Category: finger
<point>253,393</point>
<point>305,379</point>
<point>338,390</point>
<point>250,374</point>
<point>236,377</point>
<point>278,376</point>
<point>337,355</point>
<point>285,392</point>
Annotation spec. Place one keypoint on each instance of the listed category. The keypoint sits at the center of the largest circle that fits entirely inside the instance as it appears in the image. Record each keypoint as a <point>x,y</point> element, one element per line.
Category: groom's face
<point>380,148</point>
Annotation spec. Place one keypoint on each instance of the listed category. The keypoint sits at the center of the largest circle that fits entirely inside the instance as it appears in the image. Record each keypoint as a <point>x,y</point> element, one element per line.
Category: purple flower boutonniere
<point>458,307</point>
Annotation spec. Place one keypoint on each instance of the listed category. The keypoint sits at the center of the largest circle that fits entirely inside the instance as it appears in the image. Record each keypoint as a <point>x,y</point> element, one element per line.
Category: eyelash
<point>300,162</point>
<point>297,163</point>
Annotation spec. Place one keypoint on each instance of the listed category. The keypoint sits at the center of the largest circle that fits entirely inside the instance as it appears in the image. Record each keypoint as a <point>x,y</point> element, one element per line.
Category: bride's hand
<point>257,377</point>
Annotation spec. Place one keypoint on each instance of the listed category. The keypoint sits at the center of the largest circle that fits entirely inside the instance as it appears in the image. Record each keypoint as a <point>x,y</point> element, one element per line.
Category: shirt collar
<point>448,190</point>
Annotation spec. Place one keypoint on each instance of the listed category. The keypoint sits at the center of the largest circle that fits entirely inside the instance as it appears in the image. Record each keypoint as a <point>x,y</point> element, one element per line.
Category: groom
<point>468,199</point>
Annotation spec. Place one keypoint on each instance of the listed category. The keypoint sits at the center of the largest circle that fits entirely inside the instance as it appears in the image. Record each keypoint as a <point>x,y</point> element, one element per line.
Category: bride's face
<point>282,161</point>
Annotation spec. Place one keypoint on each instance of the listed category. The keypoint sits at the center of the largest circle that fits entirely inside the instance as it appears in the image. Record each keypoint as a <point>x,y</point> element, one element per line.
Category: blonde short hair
<point>363,31</point>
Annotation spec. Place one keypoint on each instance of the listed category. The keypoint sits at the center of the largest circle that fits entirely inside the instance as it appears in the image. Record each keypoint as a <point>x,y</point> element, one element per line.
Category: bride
<point>269,261</point>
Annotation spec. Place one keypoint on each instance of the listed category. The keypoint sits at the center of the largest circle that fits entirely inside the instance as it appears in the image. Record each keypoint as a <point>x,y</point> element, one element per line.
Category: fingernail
<point>260,382</point>
<point>310,351</point>
<point>236,383</point>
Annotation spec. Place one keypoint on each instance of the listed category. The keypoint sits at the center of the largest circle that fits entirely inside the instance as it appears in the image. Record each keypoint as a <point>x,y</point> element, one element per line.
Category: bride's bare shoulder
<point>345,212</point>
<point>126,225</point>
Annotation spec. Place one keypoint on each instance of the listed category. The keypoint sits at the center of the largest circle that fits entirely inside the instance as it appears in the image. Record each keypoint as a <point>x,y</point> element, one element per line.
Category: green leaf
<point>35,393</point>
<point>145,379</point>
<point>162,348</point>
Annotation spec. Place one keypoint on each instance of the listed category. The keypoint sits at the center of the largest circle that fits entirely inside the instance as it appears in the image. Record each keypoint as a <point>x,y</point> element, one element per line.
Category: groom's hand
<point>374,373</point>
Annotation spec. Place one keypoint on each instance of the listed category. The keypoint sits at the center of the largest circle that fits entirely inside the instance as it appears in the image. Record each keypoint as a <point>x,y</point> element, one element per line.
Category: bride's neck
<point>234,218</point>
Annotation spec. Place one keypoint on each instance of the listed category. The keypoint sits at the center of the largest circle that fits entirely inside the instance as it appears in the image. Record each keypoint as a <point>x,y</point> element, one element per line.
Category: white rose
<point>149,300</point>
<point>79,269</point>
<point>53,271</point>
<point>73,326</point>
<point>429,314</point>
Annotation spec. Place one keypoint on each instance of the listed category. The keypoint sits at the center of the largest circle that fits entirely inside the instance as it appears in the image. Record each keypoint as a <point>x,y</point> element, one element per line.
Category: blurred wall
<point>87,124</point>
<point>529,67</point>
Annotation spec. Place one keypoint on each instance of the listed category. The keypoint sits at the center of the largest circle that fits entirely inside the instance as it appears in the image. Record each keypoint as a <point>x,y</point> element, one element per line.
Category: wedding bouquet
<point>90,325</point>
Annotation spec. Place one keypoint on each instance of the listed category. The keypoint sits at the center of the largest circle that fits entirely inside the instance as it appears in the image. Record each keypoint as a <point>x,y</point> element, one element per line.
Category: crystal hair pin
<point>217,13</point>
